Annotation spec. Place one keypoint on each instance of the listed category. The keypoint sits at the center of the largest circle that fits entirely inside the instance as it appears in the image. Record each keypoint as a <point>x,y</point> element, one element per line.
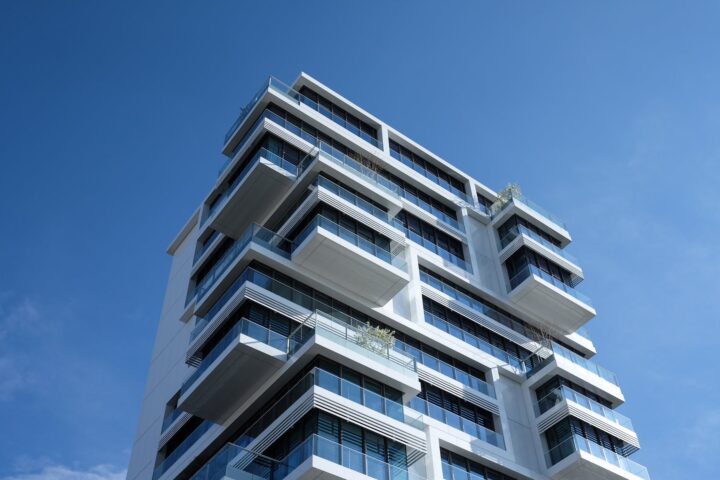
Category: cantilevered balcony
<point>549,300</point>
<point>221,381</point>
<point>564,401</point>
<point>519,236</point>
<point>264,179</point>
<point>577,369</point>
<point>522,206</point>
<point>345,259</point>
<point>459,423</point>
<point>315,458</point>
<point>578,458</point>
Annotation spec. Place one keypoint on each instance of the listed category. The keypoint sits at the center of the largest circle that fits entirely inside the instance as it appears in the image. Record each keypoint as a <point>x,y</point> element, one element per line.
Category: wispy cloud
<point>61,472</point>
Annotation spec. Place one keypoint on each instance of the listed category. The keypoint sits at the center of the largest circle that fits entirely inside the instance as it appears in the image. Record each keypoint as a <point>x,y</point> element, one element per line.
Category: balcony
<point>266,176</point>
<point>220,381</point>
<point>315,458</point>
<point>520,235</point>
<point>284,90</point>
<point>524,207</point>
<point>564,401</point>
<point>577,458</point>
<point>218,274</point>
<point>322,390</point>
<point>553,303</point>
<point>584,372</point>
<point>345,259</point>
<point>459,423</point>
<point>446,256</point>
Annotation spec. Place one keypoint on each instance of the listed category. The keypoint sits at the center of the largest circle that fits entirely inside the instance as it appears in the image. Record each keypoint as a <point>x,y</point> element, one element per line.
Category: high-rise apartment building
<point>344,304</point>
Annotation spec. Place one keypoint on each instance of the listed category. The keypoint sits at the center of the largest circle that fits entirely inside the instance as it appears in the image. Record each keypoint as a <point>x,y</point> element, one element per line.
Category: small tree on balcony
<point>505,196</point>
<point>376,339</point>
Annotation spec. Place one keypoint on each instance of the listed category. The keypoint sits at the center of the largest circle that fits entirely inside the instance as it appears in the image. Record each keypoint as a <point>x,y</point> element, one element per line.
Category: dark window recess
<point>346,222</point>
<point>274,145</point>
<point>457,324</point>
<point>419,164</point>
<point>558,435</point>
<point>524,256</point>
<point>556,382</point>
<point>340,115</point>
<point>515,221</point>
<point>456,405</point>
<point>452,462</point>
<point>411,191</point>
<point>427,232</point>
<point>485,202</point>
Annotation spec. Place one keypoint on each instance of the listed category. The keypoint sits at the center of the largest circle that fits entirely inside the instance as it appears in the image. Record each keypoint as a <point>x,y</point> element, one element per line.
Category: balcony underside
<point>550,306</point>
<point>583,466</point>
<point>227,383</point>
<point>263,186</point>
<point>342,263</point>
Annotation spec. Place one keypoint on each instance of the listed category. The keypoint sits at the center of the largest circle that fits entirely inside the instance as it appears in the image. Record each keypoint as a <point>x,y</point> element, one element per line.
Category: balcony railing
<point>263,153</point>
<point>280,87</point>
<point>180,450</point>
<point>530,269</point>
<point>429,175</point>
<point>485,309</point>
<point>255,234</point>
<point>444,254</point>
<point>170,418</point>
<point>565,393</point>
<point>518,230</point>
<point>496,208</point>
<point>476,342</point>
<point>325,448</point>
<point>244,327</point>
<point>353,198</point>
<point>394,258</point>
<point>577,443</point>
<point>573,357</point>
<point>324,379</point>
<point>446,369</point>
<point>222,465</point>
<point>456,421</point>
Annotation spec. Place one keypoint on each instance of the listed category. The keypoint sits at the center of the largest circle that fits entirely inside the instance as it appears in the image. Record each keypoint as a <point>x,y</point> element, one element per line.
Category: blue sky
<point>113,113</point>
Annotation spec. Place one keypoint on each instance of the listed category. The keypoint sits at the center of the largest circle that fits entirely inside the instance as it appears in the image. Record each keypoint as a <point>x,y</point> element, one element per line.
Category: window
<point>457,467</point>
<point>427,169</point>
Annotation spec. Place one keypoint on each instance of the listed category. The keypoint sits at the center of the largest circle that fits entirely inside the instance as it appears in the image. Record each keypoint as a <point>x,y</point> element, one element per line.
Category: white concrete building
<point>326,230</point>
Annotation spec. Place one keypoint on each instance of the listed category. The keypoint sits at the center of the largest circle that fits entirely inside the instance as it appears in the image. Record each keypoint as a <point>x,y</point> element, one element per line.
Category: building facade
<point>344,304</point>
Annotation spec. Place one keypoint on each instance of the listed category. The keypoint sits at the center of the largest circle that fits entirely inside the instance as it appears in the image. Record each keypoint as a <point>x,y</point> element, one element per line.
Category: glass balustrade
<point>530,269</point>
<point>263,154</point>
<point>328,449</point>
<point>518,230</point>
<point>577,443</point>
<point>255,233</point>
<point>476,342</point>
<point>446,369</point>
<point>180,450</point>
<point>568,394</point>
<point>222,465</point>
<point>352,198</point>
<point>394,258</point>
<point>429,175</point>
<point>326,380</point>
<point>456,421</point>
<point>427,244</point>
<point>499,207</point>
<point>584,363</point>
<point>244,327</point>
<point>170,418</point>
